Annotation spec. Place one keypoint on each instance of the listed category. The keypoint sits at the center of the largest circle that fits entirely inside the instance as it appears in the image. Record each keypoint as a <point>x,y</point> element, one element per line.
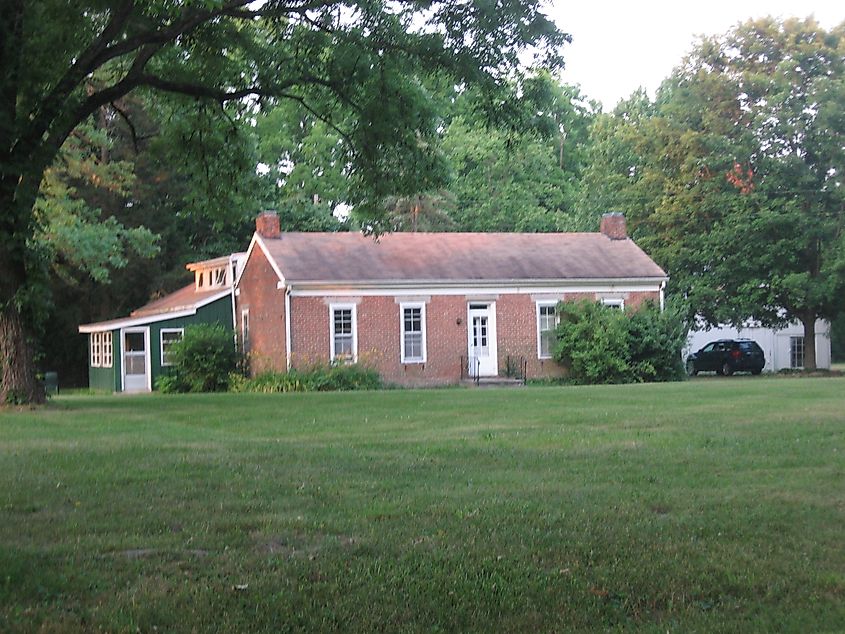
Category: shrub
<point>335,377</point>
<point>656,339</point>
<point>592,341</point>
<point>203,360</point>
<point>603,345</point>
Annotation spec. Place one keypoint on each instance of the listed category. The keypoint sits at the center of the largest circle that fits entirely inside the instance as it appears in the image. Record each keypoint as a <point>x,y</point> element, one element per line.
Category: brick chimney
<point>267,225</point>
<point>613,225</point>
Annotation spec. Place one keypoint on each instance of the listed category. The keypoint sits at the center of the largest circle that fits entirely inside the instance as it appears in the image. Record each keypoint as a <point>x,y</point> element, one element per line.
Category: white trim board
<point>528,289</point>
<point>256,239</point>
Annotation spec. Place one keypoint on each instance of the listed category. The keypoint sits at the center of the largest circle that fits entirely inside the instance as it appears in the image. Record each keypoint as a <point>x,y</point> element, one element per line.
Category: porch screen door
<point>135,367</point>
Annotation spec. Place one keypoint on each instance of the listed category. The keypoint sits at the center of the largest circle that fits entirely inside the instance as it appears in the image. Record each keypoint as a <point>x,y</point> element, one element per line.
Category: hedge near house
<point>599,344</point>
<point>203,360</point>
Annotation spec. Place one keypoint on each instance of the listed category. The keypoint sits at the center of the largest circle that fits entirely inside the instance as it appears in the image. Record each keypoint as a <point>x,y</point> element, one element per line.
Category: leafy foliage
<point>74,233</point>
<point>522,178</point>
<point>599,344</point>
<point>732,177</point>
<point>335,377</point>
<point>358,68</point>
<point>203,360</point>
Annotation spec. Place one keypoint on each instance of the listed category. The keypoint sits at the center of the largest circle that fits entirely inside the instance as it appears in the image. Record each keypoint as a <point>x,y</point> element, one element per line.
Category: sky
<point>618,47</point>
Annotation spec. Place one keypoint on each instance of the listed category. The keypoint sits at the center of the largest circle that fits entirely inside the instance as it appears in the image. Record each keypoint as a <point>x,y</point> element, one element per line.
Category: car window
<point>708,347</point>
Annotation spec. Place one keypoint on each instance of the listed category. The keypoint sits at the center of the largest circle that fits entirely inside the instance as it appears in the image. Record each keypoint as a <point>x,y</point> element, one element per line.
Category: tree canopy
<point>356,66</point>
<point>732,177</point>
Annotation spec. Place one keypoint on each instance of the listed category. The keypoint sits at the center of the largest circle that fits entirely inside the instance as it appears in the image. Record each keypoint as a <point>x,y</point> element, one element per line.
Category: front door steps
<point>493,381</point>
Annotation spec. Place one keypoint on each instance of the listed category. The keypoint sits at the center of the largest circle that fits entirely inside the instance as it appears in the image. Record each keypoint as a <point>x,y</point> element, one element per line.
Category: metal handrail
<point>517,367</point>
<point>471,368</point>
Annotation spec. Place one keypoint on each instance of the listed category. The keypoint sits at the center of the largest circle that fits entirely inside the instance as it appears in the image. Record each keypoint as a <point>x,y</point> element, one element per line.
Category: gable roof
<point>456,257</point>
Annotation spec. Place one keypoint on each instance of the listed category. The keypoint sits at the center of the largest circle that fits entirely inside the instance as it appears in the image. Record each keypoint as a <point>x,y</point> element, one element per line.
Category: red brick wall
<point>309,331</point>
<point>258,293</point>
<point>379,330</point>
<point>516,317</point>
<point>634,300</point>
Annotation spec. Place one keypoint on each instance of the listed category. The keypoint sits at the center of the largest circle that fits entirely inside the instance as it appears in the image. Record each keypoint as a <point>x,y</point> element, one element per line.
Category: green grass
<point>708,506</point>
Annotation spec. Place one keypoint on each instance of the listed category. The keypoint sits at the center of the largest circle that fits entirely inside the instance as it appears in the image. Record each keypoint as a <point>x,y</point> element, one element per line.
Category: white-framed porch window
<point>546,322</point>
<point>344,332</point>
<point>413,348</point>
<point>96,350</point>
<point>616,303</point>
<point>107,349</point>
<point>168,337</point>
<point>100,346</point>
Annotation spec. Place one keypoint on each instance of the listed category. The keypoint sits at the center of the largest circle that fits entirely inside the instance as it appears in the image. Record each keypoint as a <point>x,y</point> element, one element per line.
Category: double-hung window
<point>344,339</point>
<point>169,336</point>
<point>618,304</point>
<point>546,322</point>
<point>413,332</point>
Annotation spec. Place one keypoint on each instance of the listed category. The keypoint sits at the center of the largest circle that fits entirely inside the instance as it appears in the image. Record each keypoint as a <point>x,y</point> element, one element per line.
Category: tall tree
<point>351,63</point>
<point>734,174</point>
<point>522,175</point>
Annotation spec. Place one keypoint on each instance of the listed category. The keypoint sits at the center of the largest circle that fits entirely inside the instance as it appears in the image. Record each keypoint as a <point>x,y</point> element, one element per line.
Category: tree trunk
<point>809,321</point>
<point>18,384</point>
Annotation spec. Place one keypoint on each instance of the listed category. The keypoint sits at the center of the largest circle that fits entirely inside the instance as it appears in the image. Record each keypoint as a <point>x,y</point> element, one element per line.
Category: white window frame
<point>161,334</point>
<point>218,277</point>
<point>613,302</point>
<point>544,304</point>
<point>245,343</point>
<point>96,357</point>
<point>403,356</point>
<point>354,309</point>
<point>107,349</point>
<point>793,351</point>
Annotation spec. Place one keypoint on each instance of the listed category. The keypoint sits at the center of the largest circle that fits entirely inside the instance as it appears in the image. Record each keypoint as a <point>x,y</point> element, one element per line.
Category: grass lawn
<point>715,505</point>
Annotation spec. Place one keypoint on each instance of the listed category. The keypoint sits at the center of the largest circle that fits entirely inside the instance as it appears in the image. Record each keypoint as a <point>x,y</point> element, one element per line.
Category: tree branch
<point>125,116</point>
<point>56,99</point>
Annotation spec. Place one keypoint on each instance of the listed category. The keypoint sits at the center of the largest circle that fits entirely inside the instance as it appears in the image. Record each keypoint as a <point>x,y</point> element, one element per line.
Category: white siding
<point>774,342</point>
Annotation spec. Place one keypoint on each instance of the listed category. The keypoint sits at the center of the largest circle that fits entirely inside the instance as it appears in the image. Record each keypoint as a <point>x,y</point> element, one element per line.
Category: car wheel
<point>691,371</point>
<point>756,371</point>
<point>726,370</point>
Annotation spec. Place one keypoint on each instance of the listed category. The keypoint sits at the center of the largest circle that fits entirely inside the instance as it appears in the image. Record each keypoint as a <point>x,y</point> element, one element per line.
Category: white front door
<point>481,322</point>
<point>136,360</point>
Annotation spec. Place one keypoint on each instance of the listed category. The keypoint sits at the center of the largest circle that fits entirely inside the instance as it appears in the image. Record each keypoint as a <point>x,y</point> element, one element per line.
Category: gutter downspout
<point>662,295</point>
<point>287,327</point>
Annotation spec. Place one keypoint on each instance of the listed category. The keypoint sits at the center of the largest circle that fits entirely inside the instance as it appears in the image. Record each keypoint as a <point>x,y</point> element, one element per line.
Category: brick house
<point>428,308</point>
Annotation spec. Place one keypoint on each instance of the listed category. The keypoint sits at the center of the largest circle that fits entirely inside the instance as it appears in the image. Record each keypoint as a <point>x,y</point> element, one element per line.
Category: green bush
<point>203,361</point>
<point>599,344</point>
<point>335,377</point>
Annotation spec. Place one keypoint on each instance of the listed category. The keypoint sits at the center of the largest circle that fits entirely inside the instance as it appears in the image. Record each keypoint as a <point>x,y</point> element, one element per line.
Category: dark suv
<point>727,356</point>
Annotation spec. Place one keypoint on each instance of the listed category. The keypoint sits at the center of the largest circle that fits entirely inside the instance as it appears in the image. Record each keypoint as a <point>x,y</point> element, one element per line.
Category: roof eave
<point>429,283</point>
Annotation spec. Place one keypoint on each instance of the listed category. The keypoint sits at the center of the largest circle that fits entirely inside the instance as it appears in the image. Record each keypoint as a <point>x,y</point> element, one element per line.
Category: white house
<point>783,347</point>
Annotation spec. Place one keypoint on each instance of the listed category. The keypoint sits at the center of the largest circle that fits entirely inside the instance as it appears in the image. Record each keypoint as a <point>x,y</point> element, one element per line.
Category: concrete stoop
<point>494,381</point>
